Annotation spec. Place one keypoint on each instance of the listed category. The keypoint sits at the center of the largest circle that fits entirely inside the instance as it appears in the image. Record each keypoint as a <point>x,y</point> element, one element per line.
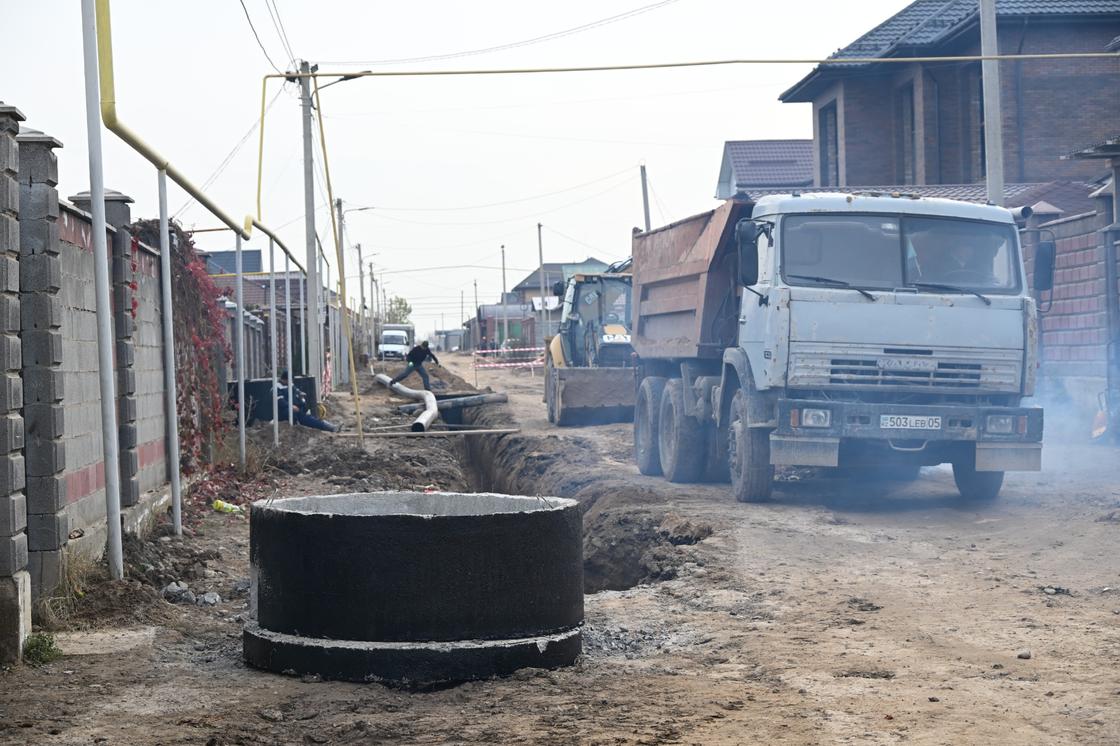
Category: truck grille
<point>937,369</point>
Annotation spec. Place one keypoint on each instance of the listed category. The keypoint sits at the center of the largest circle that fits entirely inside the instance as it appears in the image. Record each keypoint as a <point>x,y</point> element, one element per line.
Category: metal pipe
<point>239,336</point>
<point>109,432</point>
<point>431,407</point>
<point>993,112</point>
<point>288,327</point>
<point>302,328</point>
<point>170,390</point>
<point>459,402</point>
<point>108,101</point>
<point>272,339</point>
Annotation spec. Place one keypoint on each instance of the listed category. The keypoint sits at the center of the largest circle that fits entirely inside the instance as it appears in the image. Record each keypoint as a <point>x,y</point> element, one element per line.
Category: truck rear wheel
<point>680,437</point>
<point>646,415</point>
<point>976,486</point>
<point>748,453</point>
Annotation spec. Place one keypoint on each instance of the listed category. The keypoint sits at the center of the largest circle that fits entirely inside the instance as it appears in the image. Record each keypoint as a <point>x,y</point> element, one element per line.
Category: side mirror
<point>746,238</point>
<point>558,289</point>
<point>1044,255</point>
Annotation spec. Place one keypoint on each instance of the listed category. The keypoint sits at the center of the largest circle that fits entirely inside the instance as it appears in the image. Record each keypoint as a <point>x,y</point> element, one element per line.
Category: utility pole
<point>476,338</point>
<point>544,306</point>
<point>315,352</point>
<point>462,318</point>
<point>377,315</point>
<point>363,317</point>
<point>505,308</point>
<point>340,365</point>
<point>645,196</point>
<point>993,114</point>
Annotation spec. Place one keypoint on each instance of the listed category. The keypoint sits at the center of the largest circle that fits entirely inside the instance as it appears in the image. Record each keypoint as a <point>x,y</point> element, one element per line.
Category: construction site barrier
<point>523,357</point>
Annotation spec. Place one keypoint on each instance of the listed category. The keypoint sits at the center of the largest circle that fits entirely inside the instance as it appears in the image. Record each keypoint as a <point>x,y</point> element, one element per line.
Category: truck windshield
<point>885,252</point>
<point>394,338</point>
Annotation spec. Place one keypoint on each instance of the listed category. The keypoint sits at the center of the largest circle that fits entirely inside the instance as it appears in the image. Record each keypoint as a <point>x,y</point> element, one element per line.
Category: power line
<point>505,202</point>
<point>516,44</point>
<point>278,24</point>
<point>258,38</point>
<point>588,198</point>
<point>229,157</point>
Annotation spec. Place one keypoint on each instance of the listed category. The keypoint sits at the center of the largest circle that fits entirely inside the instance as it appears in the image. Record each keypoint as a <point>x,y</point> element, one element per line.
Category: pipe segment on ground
<point>459,402</point>
<point>431,407</point>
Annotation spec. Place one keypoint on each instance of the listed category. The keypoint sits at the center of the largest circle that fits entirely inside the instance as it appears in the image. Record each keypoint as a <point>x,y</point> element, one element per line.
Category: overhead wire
<point>513,45</point>
<point>281,32</point>
<point>258,38</point>
<point>229,156</point>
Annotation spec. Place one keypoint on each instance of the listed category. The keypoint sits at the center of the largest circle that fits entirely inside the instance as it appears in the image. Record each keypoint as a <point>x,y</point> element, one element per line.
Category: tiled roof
<point>925,23</point>
<point>770,162</point>
<point>1072,197</point>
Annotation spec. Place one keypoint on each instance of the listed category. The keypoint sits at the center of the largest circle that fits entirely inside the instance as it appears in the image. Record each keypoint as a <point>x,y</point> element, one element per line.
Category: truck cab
<point>871,331</point>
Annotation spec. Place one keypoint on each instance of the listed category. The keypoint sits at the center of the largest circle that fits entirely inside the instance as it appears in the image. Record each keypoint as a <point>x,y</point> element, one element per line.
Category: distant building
<point>922,123</point>
<point>219,262</point>
<point>554,272</point>
<point>764,164</point>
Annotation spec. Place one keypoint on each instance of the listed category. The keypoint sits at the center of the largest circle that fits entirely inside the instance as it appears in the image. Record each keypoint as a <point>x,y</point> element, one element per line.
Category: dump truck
<point>589,373</point>
<point>856,331</point>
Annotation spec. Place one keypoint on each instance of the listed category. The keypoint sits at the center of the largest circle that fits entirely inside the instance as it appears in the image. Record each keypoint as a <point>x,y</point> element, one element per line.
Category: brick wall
<point>1062,104</point>
<point>84,474</point>
<point>151,422</point>
<point>1073,319</point>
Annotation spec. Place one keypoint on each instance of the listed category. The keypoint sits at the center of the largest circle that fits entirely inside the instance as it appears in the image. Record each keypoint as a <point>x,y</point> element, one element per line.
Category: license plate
<point>909,422</point>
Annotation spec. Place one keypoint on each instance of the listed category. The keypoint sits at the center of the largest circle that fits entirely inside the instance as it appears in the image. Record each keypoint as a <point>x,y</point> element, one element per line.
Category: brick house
<point>764,164</point>
<point>929,115</point>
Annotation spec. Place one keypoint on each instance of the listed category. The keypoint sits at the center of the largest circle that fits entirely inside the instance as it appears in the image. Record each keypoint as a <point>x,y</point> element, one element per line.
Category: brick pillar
<point>119,216</point>
<point>40,275</point>
<point>15,581</point>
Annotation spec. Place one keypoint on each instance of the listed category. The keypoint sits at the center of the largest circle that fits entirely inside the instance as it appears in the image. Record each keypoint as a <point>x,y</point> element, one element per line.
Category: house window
<point>829,146</point>
<point>906,139</point>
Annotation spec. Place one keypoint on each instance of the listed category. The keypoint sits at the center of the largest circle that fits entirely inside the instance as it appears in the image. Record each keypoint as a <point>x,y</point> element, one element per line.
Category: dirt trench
<point>627,538</point>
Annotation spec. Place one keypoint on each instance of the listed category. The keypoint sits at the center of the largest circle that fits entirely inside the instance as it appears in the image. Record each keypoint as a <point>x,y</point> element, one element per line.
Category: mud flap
<point>1008,457</point>
<point>787,451</point>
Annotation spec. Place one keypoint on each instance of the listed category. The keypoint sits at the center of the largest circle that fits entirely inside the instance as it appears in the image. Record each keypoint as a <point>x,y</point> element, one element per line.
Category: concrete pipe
<point>431,408</point>
<point>414,588</point>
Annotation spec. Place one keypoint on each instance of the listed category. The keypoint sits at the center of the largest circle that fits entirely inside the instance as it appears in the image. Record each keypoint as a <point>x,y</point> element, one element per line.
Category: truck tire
<point>976,486</point>
<point>717,469</point>
<point>748,453</point>
<point>646,416</point>
<point>680,437</point>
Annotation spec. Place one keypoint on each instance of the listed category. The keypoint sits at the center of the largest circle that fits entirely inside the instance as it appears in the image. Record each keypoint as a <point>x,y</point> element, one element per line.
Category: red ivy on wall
<point>201,345</point>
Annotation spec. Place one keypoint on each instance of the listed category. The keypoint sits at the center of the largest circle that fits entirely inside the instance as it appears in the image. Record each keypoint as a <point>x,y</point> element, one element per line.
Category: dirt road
<point>837,613</point>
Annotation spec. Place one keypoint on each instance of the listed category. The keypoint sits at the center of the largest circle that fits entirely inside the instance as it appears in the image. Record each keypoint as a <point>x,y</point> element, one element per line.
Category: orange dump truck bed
<point>686,290</point>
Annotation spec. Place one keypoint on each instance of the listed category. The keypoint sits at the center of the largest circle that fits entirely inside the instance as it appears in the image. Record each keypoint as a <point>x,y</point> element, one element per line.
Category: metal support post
<point>105,342</point>
<point>505,308</point>
<point>288,329</point>
<point>645,196</point>
<point>303,316</point>
<point>545,316</point>
<point>272,335</point>
<point>313,340</point>
<point>239,337</point>
<point>993,113</point>
<point>170,392</point>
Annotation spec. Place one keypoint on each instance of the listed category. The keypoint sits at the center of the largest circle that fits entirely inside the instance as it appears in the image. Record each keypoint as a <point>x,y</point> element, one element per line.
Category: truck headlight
<point>1001,424</point>
<point>816,417</point>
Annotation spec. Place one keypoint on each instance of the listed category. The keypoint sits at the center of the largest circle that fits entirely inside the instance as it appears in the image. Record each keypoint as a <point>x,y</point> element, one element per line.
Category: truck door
<point>754,312</point>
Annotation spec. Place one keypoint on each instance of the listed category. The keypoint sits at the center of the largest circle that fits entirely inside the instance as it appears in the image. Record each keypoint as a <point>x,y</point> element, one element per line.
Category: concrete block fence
<point>52,473</point>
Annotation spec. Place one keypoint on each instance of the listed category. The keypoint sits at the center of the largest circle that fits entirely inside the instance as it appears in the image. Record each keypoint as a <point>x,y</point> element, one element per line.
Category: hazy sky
<point>453,166</point>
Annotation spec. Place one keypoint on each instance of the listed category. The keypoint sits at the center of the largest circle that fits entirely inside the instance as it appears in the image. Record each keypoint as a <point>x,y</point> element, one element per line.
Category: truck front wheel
<point>976,486</point>
<point>748,452</point>
<point>646,416</point>
<point>680,437</point>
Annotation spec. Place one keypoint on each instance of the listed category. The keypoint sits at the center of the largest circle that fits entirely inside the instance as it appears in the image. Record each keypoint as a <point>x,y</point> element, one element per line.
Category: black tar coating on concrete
<point>390,568</point>
<point>406,664</point>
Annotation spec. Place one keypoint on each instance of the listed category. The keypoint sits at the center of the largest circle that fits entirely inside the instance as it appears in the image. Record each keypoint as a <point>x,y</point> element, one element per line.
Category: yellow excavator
<point>589,373</point>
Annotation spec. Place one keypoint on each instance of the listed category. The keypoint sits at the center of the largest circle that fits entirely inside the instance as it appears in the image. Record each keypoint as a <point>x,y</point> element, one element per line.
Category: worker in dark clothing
<point>286,394</point>
<point>416,358</point>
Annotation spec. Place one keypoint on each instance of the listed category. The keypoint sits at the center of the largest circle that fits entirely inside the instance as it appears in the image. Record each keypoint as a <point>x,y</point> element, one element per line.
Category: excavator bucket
<point>590,396</point>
